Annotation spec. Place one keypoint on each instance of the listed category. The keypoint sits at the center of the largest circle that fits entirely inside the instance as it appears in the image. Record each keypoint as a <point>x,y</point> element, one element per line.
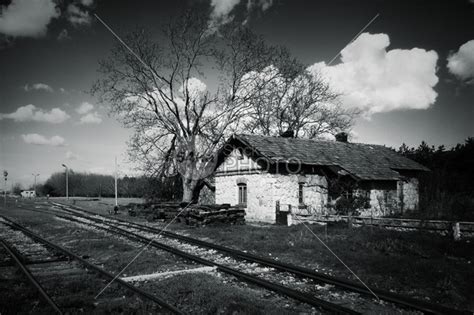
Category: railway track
<point>188,247</point>
<point>64,280</point>
<point>221,265</point>
<point>32,279</point>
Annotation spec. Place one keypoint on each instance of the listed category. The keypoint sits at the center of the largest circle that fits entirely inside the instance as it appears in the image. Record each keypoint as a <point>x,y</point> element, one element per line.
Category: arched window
<point>242,190</point>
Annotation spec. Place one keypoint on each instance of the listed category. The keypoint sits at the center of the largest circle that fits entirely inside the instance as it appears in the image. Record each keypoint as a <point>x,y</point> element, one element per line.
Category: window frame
<point>301,193</point>
<point>242,194</point>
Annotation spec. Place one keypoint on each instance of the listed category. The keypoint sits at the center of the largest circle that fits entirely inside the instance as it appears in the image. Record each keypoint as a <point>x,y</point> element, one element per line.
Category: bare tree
<point>154,87</point>
<point>295,100</point>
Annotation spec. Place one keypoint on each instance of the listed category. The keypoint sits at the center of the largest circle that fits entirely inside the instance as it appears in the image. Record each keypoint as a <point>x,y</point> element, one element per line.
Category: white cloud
<point>71,156</point>
<point>461,63</point>
<point>91,118</point>
<point>32,113</point>
<point>77,16</point>
<point>36,139</point>
<point>38,87</point>
<point>27,18</point>
<point>221,10</point>
<point>84,108</point>
<point>374,79</point>
<point>196,88</point>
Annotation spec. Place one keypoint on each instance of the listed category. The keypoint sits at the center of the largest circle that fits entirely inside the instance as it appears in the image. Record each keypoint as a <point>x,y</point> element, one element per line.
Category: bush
<point>351,205</point>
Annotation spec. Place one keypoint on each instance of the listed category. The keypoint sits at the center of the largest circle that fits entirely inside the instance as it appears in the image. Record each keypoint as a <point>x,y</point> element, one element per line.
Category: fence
<point>290,215</point>
<point>449,227</point>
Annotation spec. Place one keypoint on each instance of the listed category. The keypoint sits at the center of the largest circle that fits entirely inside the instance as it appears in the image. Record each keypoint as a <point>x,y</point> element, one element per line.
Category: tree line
<point>92,185</point>
<point>83,184</point>
<point>447,191</point>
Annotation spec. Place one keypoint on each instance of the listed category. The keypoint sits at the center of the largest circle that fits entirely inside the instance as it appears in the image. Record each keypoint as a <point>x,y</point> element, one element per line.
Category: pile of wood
<point>201,215</point>
<point>195,215</point>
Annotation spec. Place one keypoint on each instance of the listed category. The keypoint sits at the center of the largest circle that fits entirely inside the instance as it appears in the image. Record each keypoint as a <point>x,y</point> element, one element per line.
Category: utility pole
<point>5,175</point>
<point>67,183</point>
<point>116,197</point>
<point>35,175</point>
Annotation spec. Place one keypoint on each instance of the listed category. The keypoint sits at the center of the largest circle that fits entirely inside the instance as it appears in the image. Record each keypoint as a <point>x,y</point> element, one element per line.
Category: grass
<point>102,205</point>
<point>423,265</point>
<point>213,294</point>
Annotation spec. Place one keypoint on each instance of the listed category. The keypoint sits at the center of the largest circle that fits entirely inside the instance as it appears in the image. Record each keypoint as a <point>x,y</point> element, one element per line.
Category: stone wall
<point>408,192</point>
<point>391,201</point>
<point>265,189</point>
<point>315,193</point>
<point>382,202</point>
<point>260,203</point>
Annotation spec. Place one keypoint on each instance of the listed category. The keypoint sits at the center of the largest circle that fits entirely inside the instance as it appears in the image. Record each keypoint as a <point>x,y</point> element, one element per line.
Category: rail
<point>84,262</point>
<point>19,261</point>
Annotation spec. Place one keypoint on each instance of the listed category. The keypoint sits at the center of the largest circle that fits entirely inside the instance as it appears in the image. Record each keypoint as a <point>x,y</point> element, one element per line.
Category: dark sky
<point>315,31</point>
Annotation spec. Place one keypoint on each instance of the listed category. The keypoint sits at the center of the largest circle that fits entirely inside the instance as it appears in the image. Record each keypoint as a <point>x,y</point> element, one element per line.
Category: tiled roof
<point>365,161</point>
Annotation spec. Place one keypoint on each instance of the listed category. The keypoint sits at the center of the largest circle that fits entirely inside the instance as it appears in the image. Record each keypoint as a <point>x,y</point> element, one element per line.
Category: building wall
<point>286,190</point>
<point>382,202</point>
<point>315,193</point>
<point>260,202</point>
<point>409,194</point>
<point>237,162</point>
<point>265,189</point>
<point>390,200</point>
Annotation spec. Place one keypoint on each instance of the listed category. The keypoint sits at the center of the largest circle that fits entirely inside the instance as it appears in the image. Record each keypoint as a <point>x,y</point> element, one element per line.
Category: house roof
<point>364,161</point>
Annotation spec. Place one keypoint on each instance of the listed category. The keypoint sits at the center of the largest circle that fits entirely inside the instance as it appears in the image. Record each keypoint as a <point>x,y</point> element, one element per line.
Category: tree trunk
<point>197,191</point>
<point>189,187</point>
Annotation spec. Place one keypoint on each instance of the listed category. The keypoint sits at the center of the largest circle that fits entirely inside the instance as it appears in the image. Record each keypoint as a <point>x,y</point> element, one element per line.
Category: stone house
<point>28,193</point>
<point>259,172</point>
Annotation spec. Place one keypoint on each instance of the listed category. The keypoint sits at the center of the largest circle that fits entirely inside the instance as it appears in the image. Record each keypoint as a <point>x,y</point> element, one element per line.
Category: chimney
<point>288,134</point>
<point>341,137</point>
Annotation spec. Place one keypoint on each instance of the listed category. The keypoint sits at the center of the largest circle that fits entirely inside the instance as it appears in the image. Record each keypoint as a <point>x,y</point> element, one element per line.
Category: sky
<point>410,72</point>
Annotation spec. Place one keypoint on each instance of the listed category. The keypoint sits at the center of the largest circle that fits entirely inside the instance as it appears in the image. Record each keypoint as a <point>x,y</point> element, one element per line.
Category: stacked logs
<point>194,215</point>
<point>200,215</point>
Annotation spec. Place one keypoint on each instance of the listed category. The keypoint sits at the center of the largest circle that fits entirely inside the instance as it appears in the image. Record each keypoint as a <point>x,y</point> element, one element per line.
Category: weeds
<point>417,263</point>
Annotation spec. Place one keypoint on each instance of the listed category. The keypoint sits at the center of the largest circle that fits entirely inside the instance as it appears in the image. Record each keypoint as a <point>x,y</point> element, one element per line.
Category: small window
<point>301,193</point>
<point>242,194</point>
